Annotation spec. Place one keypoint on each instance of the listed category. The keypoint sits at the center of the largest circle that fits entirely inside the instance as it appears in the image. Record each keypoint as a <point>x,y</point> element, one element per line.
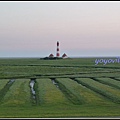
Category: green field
<point>64,88</point>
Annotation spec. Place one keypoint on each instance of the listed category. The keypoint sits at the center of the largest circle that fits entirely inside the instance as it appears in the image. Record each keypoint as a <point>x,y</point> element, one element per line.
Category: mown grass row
<point>116,78</point>
<point>18,94</point>
<point>3,82</point>
<point>108,81</point>
<point>74,67</point>
<point>82,94</point>
<point>5,86</point>
<point>104,90</point>
<point>70,89</point>
<point>49,94</point>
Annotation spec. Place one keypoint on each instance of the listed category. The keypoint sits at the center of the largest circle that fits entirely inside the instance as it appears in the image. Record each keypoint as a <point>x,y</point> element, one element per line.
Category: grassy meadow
<point>64,88</point>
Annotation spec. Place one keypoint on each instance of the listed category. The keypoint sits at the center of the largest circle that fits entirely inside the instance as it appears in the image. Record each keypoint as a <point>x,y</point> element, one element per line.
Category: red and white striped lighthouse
<point>57,54</point>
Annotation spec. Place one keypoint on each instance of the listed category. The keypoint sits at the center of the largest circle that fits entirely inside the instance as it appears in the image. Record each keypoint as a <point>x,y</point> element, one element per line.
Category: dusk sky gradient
<point>32,29</point>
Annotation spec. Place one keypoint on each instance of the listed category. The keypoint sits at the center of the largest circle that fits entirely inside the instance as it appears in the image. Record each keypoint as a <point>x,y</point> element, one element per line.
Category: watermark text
<point>106,61</point>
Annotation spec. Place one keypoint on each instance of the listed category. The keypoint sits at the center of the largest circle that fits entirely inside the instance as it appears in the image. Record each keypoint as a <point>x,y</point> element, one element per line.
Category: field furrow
<point>59,88</point>
<point>3,82</point>
<point>5,88</point>
<point>49,93</point>
<point>71,90</point>
<point>104,90</point>
<point>83,93</point>
<point>18,94</point>
<point>109,81</point>
<point>117,78</point>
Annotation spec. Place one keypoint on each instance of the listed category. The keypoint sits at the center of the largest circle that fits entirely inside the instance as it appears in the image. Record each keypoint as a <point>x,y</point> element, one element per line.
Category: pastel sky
<point>32,29</point>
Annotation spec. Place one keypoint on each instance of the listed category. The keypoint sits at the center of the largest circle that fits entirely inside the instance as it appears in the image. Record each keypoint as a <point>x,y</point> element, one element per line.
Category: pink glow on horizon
<point>81,28</point>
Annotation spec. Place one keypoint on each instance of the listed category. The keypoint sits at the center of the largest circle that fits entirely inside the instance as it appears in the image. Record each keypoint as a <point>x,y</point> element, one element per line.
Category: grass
<point>109,81</point>
<point>60,112</point>
<point>34,67</point>
<point>71,90</point>
<point>52,102</point>
<point>104,90</point>
<point>91,97</point>
<point>18,94</point>
<point>49,93</point>
<point>6,86</point>
<point>3,82</point>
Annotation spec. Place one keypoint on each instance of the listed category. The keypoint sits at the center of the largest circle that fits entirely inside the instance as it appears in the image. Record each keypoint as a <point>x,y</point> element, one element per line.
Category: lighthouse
<point>51,56</point>
<point>57,53</point>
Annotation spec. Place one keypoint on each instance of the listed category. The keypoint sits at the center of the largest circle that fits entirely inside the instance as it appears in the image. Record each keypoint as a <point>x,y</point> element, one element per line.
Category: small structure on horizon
<point>51,56</point>
<point>64,56</point>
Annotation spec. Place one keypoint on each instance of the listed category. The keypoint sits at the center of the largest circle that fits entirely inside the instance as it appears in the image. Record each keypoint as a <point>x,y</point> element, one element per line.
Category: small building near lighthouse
<point>64,56</point>
<point>51,56</point>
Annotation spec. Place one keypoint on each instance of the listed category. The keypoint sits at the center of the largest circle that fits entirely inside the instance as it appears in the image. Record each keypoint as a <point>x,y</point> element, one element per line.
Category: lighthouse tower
<point>57,54</point>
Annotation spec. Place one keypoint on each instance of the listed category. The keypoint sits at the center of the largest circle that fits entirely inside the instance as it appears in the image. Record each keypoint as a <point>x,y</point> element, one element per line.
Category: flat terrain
<point>64,88</point>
